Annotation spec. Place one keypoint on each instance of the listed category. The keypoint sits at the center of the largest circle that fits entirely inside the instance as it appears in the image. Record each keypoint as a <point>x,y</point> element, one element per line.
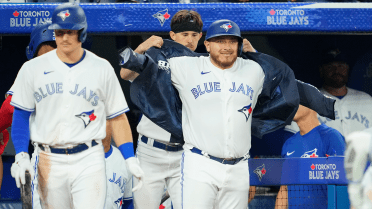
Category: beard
<point>335,81</point>
<point>224,64</point>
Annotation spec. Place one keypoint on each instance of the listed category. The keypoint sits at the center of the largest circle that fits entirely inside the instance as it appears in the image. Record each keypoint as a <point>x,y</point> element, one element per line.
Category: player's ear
<point>207,46</point>
<point>200,35</point>
<point>172,35</point>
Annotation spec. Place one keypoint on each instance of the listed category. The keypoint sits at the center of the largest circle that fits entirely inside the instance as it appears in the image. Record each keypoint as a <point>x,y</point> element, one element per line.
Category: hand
<point>247,46</point>
<point>136,170</point>
<point>19,167</point>
<point>155,41</point>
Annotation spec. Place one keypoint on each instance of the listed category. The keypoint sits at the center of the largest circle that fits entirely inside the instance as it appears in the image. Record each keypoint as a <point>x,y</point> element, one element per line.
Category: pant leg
<point>34,182</point>
<point>200,180</point>
<point>173,181</point>
<point>88,178</point>
<point>53,181</point>
<point>154,164</point>
<point>235,190</point>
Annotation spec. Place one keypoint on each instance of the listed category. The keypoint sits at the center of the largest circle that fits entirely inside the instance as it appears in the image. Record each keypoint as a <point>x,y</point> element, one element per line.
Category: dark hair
<point>186,20</point>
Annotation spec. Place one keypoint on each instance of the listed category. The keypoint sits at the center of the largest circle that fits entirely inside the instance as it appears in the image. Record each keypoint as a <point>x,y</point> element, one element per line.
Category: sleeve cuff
<point>117,113</point>
<point>21,107</point>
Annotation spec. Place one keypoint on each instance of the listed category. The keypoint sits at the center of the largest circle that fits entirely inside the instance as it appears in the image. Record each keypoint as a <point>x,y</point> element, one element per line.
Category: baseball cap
<point>334,55</point>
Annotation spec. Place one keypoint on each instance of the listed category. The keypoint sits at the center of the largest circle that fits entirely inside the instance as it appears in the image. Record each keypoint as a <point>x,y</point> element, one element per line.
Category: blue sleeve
<point>20,130</point>
<point>336,143</point>
<point>127,204</point>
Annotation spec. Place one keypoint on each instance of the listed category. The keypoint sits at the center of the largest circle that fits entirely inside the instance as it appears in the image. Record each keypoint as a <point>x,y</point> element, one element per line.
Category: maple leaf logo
<point>312,167</point>
<point>92,117</point>
<point>272,12</point>
<point>166,16</point>
<point>16,13</point>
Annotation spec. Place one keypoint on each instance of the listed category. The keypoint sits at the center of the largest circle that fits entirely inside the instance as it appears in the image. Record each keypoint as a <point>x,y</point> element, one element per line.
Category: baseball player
<point>352,107</point>
<point>216,119</point>
<point>159,157</point>
<point>312,141</point>
<point>42,41</point>
<point>358,153</point>
<point>74,92</point>
<point>118,178</point>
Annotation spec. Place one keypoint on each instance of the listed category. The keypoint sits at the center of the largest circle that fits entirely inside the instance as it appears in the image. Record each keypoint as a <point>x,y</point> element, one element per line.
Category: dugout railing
<point>303,171</point>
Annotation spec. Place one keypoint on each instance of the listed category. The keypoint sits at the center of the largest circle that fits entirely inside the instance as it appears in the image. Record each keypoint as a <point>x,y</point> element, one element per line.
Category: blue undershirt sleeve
<point>20,130</point>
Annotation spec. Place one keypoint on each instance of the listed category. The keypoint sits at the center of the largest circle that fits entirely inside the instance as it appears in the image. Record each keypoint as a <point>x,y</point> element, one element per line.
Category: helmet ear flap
<point>29,52</point>
<point>83,35</point>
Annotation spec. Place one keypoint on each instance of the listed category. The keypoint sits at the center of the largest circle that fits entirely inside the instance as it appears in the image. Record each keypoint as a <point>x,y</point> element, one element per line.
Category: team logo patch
<point>164,66</point>
<point>246,110</point>
<point>64,14</point>
<point>87,117</point>
<point>310,154</point>
<point>260,171</point>
<point>226,26</point>
<point>119,202</point>
<point>334,52</point>
<point>162,16</point>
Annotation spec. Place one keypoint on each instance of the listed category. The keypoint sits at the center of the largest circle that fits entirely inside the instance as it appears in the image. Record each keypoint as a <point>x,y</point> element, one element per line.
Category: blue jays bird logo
<point>260,171</point>
<point>87,117</point>
<point>162,16</point>
<point>64,14</point>
<point>310,154</point>
<point>226,26</point>
<point>246,110</point>
<point>119,202</point>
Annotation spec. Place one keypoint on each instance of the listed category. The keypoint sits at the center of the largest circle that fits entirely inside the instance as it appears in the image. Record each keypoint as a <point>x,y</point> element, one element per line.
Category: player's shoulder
<point>95,59</point>
<point>249,64</point>
<point>330,134</point>
<point>359,94</point>
<point>41,60</point>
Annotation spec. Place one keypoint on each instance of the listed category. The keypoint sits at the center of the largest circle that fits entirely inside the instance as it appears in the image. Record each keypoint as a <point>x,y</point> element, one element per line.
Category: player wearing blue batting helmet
<point>40,35</point>
<point>225,28</point>
<point>71,17</point>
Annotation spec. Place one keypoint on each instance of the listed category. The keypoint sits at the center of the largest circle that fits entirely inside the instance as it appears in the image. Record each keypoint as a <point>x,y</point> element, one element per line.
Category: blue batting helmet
<point>223,28</point>
<point>70,16</point>
<point>39,35</point>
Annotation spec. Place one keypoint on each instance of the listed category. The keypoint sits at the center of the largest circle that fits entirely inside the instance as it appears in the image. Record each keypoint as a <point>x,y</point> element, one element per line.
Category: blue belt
<point>78,148</point>
<point>220,160</point>
<point>162,146</point>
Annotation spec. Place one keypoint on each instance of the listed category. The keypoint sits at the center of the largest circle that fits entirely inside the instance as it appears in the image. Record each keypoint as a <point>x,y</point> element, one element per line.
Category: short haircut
<point>186,20</point>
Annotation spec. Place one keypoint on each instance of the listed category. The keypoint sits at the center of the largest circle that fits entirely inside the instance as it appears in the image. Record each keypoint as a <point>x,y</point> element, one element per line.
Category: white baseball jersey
<point>147,128</point>
<point>72,103</point>
<point>217,104</point>
<point>119,180</point>
<point>353,112</point>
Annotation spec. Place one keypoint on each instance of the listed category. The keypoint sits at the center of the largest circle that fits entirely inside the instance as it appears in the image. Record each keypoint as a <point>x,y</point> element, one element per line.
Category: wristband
<point>127,150</point>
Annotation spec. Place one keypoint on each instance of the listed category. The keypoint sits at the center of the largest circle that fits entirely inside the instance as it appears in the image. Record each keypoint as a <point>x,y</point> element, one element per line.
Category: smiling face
<point>189,39</point>
<point>67,40</point>
<point>223,51</point>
